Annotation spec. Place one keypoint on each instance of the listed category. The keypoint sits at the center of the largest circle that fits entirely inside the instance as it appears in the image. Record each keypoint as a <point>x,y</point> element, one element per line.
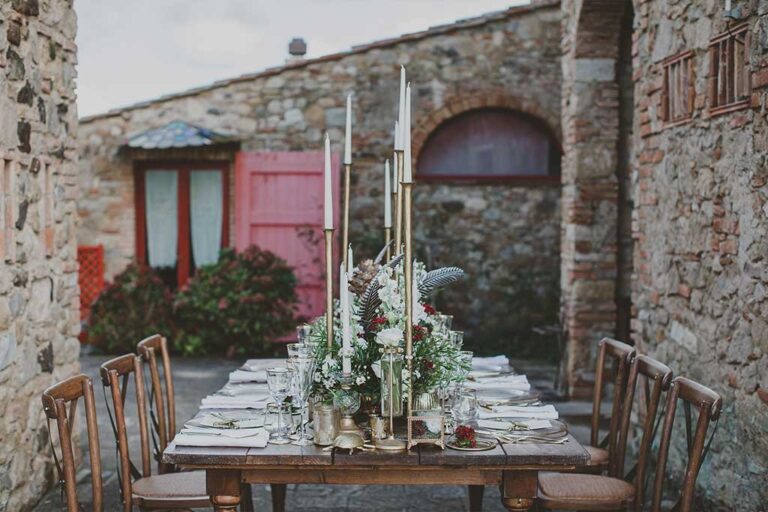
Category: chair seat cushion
<point>578,491</point>
<point>187,488</point>
<point>597,456</point>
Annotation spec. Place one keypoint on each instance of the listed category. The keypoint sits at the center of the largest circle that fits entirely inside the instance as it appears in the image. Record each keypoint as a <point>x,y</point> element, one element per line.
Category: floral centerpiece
<point>378,323</point>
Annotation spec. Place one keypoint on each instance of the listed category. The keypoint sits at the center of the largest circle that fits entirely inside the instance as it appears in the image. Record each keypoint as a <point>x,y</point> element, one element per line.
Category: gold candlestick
<point>329,286</point>
<point>408,276</point>
<point>345,233</point>
<point>399,204</point>
<point>388,242</point>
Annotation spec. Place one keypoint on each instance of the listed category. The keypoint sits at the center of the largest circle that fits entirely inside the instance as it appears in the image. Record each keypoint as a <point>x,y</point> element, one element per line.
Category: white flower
<point>360,379</point>
<point>389,337</point>
<point>376,367</point>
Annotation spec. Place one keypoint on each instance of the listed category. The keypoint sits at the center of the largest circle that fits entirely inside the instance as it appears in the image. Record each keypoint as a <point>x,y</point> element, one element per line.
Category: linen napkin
<point>233,402</point>
<point>260,365</point>
<point>542,412</point>
<point>504,425</point>
<point>248,376</point>
<point>258,440</point>
<point>493,363</point>
<point>252,389</point>
<point>519,382</point>
<point>234,419</point>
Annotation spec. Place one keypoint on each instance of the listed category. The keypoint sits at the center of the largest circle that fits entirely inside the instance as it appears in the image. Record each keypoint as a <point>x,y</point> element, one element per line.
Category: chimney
<point>297,48</point>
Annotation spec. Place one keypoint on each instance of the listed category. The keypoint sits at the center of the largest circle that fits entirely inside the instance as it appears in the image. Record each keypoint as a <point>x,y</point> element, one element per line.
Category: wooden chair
<point>141,488</point>
<point>162,404</point>
<point>595,492</point>
<point>55,400</point>
<point>618,355</point>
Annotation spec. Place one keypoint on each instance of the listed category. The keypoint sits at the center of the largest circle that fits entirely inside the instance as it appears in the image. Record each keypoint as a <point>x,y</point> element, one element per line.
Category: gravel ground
<point>195,378</point>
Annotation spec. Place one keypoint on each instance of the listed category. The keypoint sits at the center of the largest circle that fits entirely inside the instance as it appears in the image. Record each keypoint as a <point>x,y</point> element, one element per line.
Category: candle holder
<point>329,286</point>
<point>391,397</point>
<point>345,233</point>
<point>399,203</point>
<point>347,401</point>
<point>388,242</point>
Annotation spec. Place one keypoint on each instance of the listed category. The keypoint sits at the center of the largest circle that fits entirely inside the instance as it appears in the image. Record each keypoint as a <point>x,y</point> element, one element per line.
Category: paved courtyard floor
<point>195,378</point>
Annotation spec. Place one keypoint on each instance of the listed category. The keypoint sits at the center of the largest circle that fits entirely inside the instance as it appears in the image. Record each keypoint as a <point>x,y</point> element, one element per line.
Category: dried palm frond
<point>439,278</point>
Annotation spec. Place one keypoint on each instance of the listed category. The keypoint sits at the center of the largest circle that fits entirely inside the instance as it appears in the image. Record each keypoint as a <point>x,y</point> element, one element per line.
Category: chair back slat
<point>657,378</point>
<point>112,373</point>
<point>162,404</point>
<point>55,400</point>
<point>619,355</point>
<point>708,404</point>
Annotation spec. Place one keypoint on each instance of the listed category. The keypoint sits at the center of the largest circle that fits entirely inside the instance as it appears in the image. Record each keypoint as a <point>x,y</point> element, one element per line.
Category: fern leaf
<point>439,278</point>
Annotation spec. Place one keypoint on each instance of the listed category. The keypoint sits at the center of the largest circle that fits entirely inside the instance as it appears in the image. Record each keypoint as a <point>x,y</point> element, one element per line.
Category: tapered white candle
<point>350,262</point>
<point>328,204</point>
<point>387,196</point>
<point>348,135</point>
<point>345,317</point>
<point>407,174</point>
<point>394,173</point>
<point>401,112</point>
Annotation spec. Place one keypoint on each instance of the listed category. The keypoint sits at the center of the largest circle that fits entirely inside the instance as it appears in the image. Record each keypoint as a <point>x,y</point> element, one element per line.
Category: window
<point>490,144</point>
<point>181,216</point>
<point>729,86</point>
<point>678,90</point>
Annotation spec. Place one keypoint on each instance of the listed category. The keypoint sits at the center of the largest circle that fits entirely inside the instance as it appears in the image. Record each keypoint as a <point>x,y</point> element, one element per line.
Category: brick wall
<point>39,310</point>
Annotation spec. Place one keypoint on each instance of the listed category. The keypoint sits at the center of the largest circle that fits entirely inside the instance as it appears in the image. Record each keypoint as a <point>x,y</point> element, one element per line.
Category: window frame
<point>716,53</point>
<point>551,179</point>
<point>679,60</point>
<point>184,169</point>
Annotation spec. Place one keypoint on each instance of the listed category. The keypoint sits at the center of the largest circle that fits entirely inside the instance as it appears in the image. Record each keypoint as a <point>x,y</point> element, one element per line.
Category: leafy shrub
<point>236,306</point>
<point>136,305</point>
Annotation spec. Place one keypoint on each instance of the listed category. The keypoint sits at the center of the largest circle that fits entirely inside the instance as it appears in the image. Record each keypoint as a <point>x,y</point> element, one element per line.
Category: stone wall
<point>39,310</point>
<point>508,60</point>
<point>701,232</point>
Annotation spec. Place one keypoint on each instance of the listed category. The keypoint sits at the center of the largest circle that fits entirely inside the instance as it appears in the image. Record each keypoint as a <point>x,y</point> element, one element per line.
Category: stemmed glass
<point>457,338</point>
<point>303,376</point>
<point>299,350</point>
<point>302,333</point>
<point>466,359</point>
<point>279,380</point>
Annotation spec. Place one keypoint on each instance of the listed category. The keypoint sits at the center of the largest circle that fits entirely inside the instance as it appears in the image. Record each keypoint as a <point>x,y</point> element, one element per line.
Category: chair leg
<point>476,498</point>
<point>246,498</point>
<point>278,497</point>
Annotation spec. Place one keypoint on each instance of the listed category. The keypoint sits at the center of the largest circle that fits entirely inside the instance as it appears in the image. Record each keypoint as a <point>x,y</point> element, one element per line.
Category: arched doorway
<point>488,201</point>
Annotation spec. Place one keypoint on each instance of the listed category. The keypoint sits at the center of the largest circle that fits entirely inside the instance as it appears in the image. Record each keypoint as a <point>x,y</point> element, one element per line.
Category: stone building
<point>665,201</point>
<point>496,75</point>
<point>39,315</point>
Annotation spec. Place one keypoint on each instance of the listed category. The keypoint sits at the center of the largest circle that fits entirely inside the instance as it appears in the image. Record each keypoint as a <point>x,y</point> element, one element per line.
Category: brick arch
<point>453,106</point>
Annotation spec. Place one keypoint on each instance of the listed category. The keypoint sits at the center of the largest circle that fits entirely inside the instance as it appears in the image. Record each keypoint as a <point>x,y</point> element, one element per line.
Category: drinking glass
<point>303,378</point>
<point>299,350</point>
<point>457,338</point>
<point>274,422</point>
<point>466,359</point>
<point>279,380</point>
<point>464,406</point>
<point>302,333</point>
<point>444,322</point>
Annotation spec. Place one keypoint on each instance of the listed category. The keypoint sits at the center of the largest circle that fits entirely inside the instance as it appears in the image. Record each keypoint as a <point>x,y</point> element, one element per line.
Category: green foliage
<point>237,306</point>
<point>136,305</point>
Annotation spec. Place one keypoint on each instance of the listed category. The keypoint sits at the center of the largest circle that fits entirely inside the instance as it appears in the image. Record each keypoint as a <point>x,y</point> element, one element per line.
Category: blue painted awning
<point>176,134</point>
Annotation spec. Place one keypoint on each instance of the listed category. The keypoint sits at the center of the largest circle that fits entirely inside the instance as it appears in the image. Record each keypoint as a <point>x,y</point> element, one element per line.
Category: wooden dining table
<point>512,466</point>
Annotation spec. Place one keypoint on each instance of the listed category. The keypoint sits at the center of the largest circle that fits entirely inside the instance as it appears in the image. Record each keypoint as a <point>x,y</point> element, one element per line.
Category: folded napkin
<point>234,419</point>
<point>258,440</point>
<point>251,389</point>
<point>248,376</point>
<point>233,402</point>
<point>494,363</point>
<point>260,365</point>
<point>504,425</point>
<point>542,412</point>
<point>519,382</point>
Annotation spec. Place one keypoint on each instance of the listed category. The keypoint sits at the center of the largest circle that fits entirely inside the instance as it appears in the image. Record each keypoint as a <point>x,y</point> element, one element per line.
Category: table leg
<point>246,498</point>
<point>223,486</point>
<point>278,497</point>
<point>518,490</point>
<point>476,498</point>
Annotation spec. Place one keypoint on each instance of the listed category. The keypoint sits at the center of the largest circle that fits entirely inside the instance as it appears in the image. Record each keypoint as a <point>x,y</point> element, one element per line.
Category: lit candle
<point>401,113</point>
<point>407,174</point>
<point>348,138</point>
<point>387,197</point>
<point>328,224</point>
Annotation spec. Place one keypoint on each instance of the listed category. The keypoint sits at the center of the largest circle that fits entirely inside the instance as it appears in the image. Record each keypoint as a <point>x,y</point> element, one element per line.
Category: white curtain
<point>161,194</point>
<point>205,212</point>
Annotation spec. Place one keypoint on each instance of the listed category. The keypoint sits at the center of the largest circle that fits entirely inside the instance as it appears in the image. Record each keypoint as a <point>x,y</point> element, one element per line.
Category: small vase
<point>391,385</point>
<point>426,401</point>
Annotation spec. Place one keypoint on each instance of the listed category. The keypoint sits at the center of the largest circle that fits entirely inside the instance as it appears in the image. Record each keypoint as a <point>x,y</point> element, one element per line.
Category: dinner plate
<point>482,445</point>
<point>508,397</point>
<point>556,430</point>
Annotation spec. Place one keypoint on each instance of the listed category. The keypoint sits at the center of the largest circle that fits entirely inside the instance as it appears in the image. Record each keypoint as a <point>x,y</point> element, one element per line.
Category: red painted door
<point>279,207</point>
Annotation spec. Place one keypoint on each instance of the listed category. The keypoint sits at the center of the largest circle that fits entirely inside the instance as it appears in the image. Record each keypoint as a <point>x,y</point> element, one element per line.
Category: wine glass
<point>457,338</point>
<point>299,350</point>
<point>279,379</point>
<point>303,378</point>
<point>464,406</point>
<point>466,360</point>
<point>302,333</point>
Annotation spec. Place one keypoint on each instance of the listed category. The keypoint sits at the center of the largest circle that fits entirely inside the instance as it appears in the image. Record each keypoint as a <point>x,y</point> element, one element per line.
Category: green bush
<point>237,306</point>
<point>136,305</point>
